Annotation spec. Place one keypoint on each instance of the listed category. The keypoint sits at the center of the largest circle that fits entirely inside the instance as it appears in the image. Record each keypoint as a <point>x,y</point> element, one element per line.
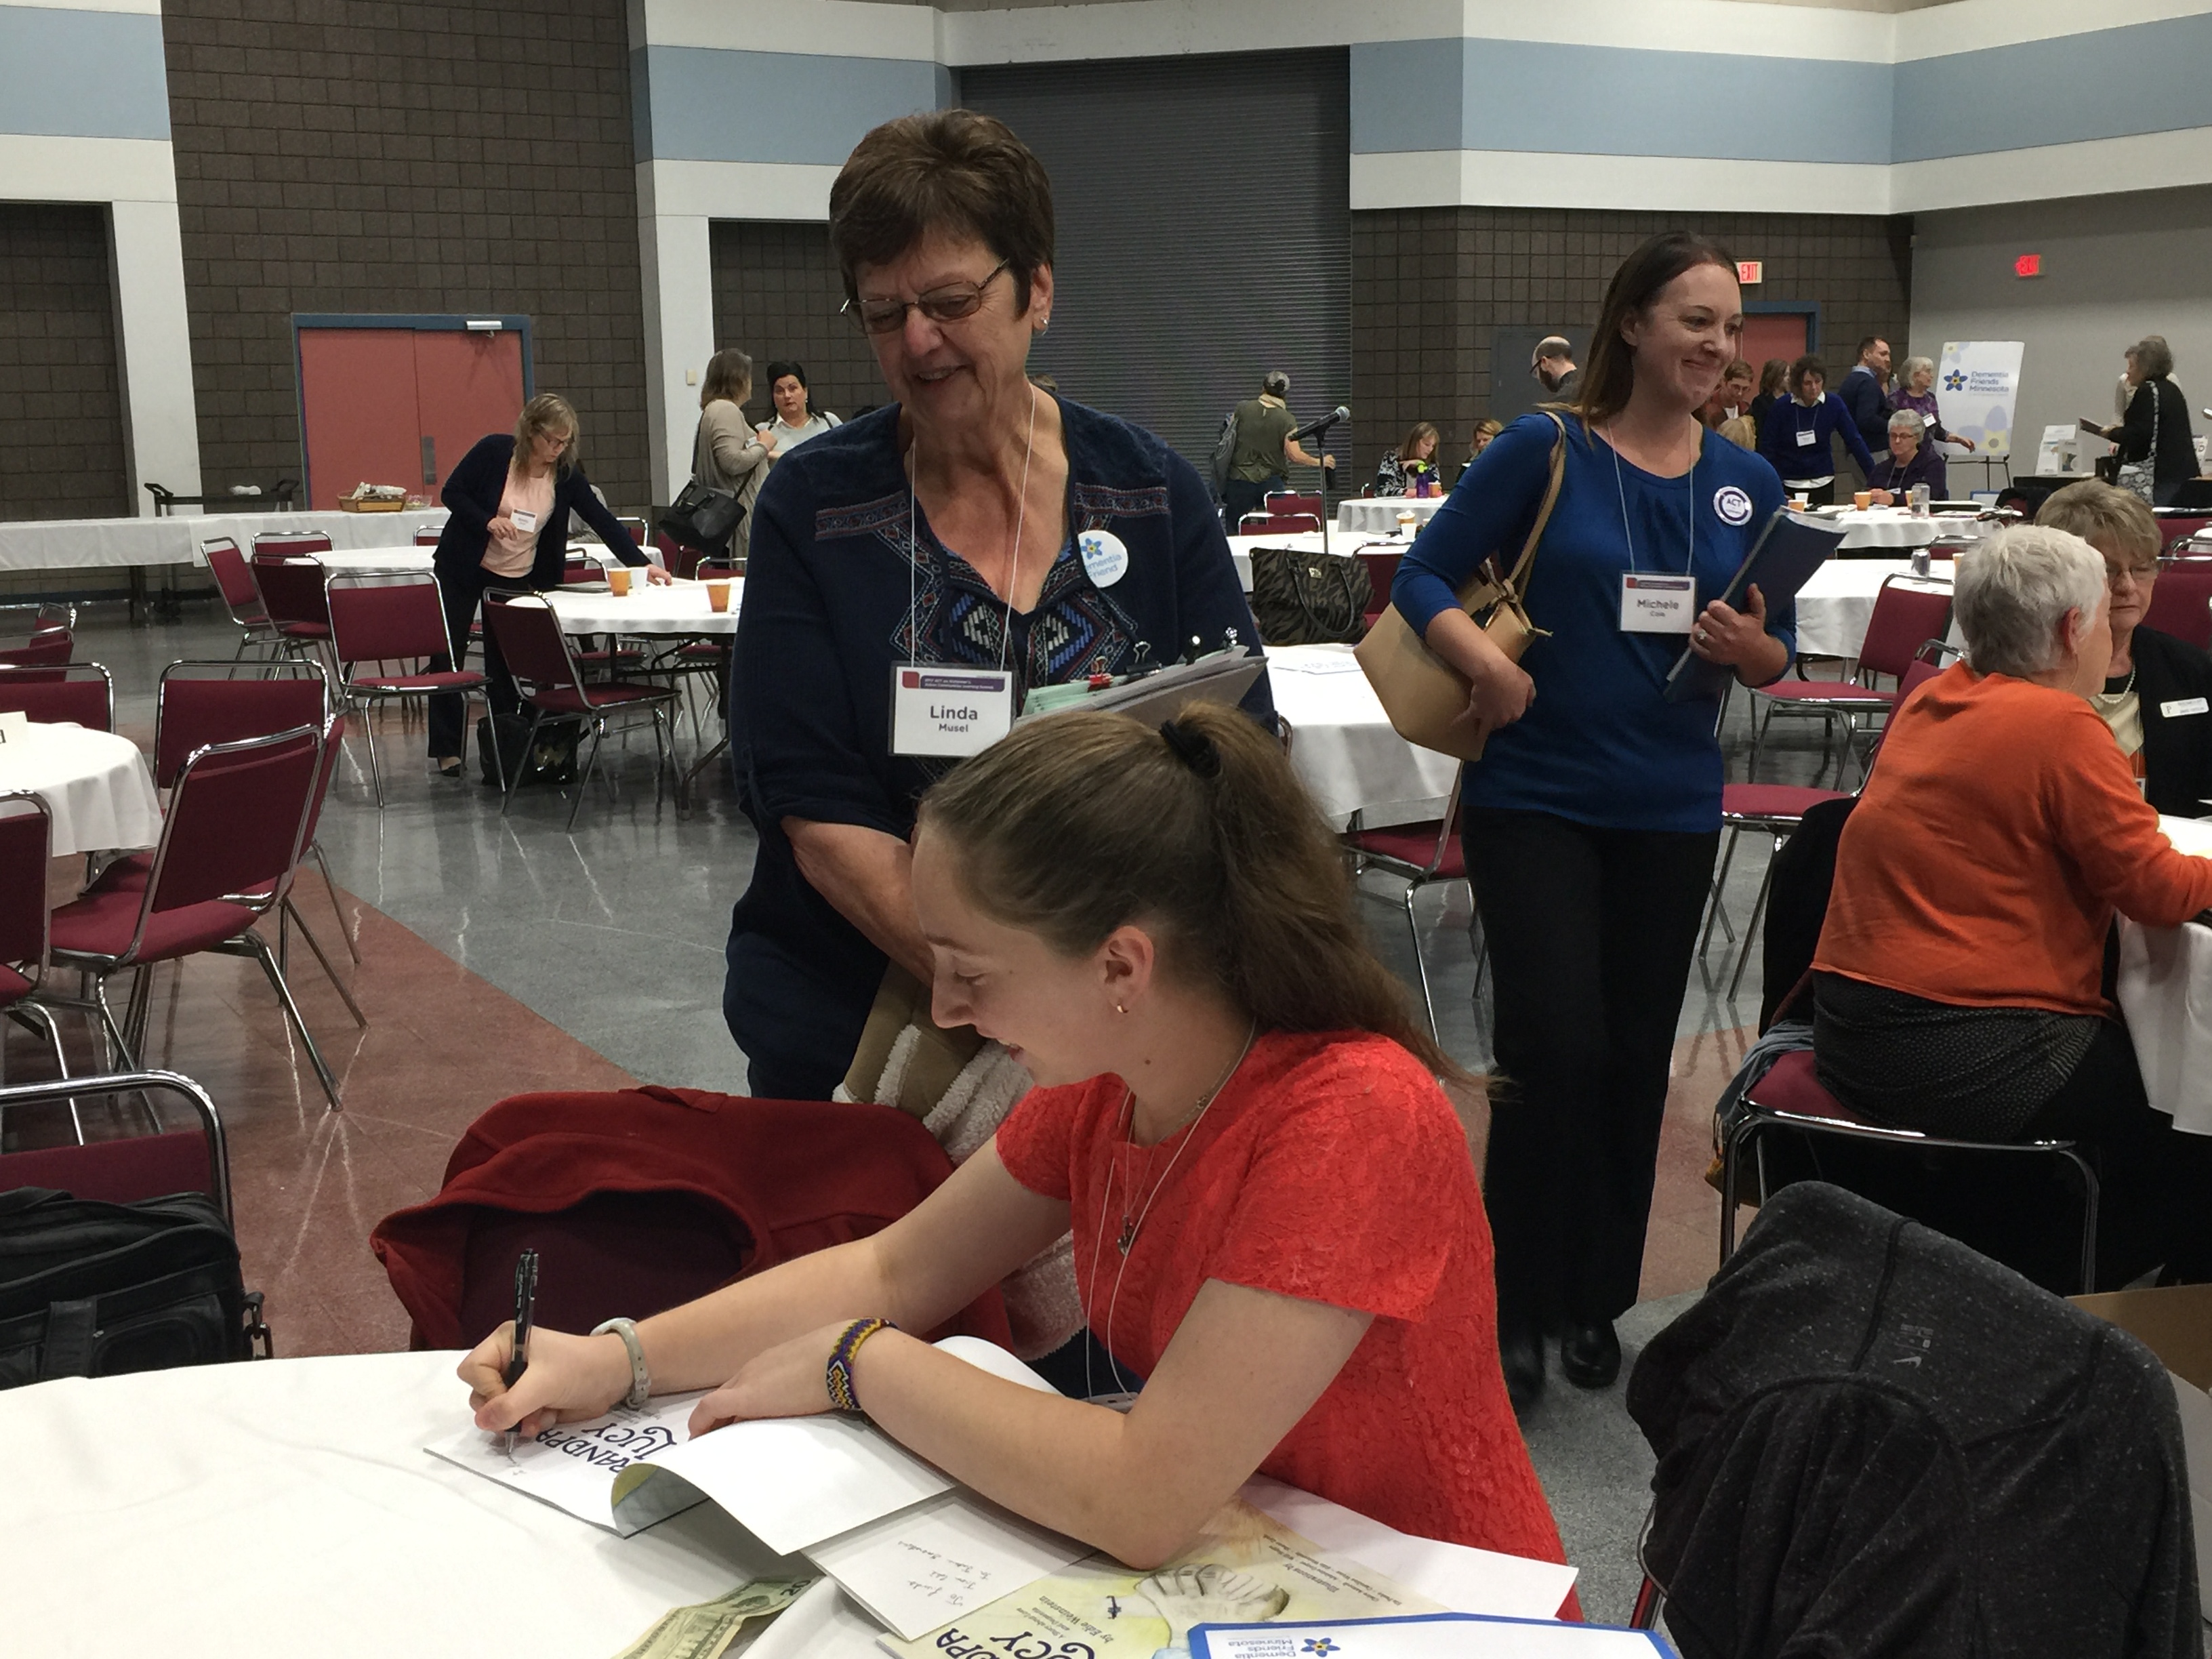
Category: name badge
<point>2183,706</point>
<point>943,711</point>
<point>1805,436</point>
<point>1657,604</point>
<point>1105,557</point>
<point>522,520</point>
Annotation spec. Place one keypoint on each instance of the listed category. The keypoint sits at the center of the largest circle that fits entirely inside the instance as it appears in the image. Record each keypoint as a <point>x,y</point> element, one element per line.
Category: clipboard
<point>1791,547</point>
<point>1224,676</point>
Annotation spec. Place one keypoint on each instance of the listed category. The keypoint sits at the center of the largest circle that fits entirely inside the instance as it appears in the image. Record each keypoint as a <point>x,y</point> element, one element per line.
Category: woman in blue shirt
<point>1592,819</point>
<point>941,529</point>
<point>1795,438</point>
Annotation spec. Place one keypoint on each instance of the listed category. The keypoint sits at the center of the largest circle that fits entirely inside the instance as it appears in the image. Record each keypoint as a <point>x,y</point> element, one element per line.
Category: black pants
<point>1590,933</point>
<point>1815,494</point>
<point>1238,498</point>
<point>464,598</point>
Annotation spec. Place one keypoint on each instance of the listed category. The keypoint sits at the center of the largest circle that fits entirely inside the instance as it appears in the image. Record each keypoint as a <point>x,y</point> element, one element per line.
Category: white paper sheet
<point>926,1566</point>
<point>573,1466</point>
<point>1465,1579</point>
<point>1442,1636</point>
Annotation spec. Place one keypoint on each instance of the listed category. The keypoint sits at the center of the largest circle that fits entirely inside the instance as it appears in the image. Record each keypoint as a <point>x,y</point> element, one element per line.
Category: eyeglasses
<point>948,304</point>
<point>2141,574</point>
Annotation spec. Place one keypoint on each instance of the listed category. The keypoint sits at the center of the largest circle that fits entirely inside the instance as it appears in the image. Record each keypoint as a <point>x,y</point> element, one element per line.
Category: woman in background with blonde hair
<point>1278,1236</point>
<point>726,453</point>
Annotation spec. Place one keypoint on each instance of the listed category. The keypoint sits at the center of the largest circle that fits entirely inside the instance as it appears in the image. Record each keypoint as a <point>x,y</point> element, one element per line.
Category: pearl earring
<point>1120,1008</point>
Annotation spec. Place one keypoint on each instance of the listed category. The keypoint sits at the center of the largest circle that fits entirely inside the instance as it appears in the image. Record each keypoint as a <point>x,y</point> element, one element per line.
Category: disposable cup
<point>717,597</point>
<point>618,579</point>
<point>1862,498</point>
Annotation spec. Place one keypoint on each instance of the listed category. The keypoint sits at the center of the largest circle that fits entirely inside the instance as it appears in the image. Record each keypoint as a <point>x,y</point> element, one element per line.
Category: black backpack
<point>551,759</point>
<point>89,1289</point>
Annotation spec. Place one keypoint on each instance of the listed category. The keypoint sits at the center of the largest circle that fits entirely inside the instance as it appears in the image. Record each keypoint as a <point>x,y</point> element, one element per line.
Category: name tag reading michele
<point>1657,604</point>
<point>943,711</point>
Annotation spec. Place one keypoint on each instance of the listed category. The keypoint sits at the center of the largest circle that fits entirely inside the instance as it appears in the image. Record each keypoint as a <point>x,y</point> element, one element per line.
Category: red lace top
<point>1330,1169</point>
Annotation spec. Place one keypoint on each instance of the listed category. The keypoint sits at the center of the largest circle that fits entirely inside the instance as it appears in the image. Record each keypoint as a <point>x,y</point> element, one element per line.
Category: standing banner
<point>1977,384</point>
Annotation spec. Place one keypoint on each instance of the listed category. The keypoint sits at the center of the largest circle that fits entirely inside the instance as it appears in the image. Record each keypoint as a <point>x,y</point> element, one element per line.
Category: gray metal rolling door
<point>1205,230</point>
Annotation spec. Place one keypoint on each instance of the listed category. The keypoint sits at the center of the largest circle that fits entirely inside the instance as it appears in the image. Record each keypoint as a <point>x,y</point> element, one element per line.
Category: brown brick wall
<point>61,398</point>
<point>408,155</point>
<point>776,295</point>
<point>1429,286</point>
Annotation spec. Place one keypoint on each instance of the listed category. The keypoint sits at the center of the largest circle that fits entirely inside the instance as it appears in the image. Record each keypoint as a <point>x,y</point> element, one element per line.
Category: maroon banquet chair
<point>1423,855</point>
<point>82,692</point>
<point>48,647</point>
<point>241,595</point>
<point>129,1168</point>
<point>387,619</point>
<point>427,537</point>
<point>25,850</point>
<point>549,683</point>
<point>292,593</point>
<point>289,543</point>
<point>1278,524</point>
<point>234,830</point>
<point>1289,501</point>
<point>2181,601</point>
<point>1907,612</point>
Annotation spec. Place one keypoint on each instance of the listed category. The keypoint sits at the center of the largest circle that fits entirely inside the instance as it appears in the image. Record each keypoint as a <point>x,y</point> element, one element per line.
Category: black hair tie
<point>1194,749</point>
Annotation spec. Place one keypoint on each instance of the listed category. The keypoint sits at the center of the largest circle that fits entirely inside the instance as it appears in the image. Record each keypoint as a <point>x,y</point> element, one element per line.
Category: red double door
<point>401,405</point>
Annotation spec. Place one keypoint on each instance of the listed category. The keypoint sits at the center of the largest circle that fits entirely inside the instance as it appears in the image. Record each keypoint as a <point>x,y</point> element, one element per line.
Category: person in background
<point>507,531</point>
<point>1794,439</point>
<point>1231,1098</point>
<point>1592,820</point>
<point>796,418</point>
<point>726,453</point>
<point>1865,393</point>
<point>1957,984</point>
<point>1728,411</point>
<point>2157,694</point>
<point>1773,386</point>
<point>939,530</point>
<point>1916,391</point>
<point>1911,461</point>
<point>1478,440</point>
<point>1403,468</point>
<point>1552,363</point>
<point>1265,451</point>
<point>2155,432</point>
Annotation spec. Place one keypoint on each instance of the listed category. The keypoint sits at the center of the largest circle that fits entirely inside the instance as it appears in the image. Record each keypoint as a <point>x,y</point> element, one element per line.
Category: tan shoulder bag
<point>1426,697</point>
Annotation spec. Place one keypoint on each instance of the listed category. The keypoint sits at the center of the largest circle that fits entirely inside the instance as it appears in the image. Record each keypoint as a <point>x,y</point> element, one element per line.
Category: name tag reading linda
<point>2184,706</point>
<point>943,711</point>
<point>1657,604</point>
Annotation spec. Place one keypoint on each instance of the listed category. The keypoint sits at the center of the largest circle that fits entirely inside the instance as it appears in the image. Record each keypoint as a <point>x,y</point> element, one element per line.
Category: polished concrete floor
<point>501,954</point>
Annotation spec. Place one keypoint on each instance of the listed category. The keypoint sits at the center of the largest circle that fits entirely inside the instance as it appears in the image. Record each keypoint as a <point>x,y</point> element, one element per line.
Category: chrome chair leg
<point>257,948</point>
<point>315,945</point>
<point>1420,961</point>
<point>352,939</point>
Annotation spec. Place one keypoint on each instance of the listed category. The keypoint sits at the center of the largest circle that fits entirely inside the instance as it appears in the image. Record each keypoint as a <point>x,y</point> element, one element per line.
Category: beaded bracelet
<point>842,1396</point>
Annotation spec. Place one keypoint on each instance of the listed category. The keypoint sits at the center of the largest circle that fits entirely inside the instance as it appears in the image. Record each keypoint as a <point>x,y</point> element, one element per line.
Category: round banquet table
<point>2165,991</point>
<point>1884,527</point>
<point>1341,745</point>
<point>96,785</point>
<point>396,561</point>
<point>1377,515</point>
<point>671,610</point>
<point>1835,605</point>
<point>182,1512</point>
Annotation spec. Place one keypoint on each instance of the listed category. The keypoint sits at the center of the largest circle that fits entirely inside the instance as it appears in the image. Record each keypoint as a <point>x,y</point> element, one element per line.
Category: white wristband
<point>641,1380</point>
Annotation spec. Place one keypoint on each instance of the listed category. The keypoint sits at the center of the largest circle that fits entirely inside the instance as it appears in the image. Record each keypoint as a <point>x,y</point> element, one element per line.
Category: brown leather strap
<point>1518,582</point>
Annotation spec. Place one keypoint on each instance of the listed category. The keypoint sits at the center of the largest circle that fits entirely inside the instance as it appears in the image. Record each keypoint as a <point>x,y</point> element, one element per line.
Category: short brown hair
<point>1611,375</point>
<point>2104,516</point>
<point>1807,364</point>
<point>1738,370</point>
<point>548,411</point>
<point>949,171</point>
<point>1084,822</point>
<point>729,374</point>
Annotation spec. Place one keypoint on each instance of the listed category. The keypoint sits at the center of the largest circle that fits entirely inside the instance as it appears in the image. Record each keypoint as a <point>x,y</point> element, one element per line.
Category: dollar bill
<point>706,1630</point>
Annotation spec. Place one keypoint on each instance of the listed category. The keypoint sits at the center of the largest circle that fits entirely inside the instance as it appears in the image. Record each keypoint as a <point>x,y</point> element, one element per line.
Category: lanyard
<point>1620,488</point>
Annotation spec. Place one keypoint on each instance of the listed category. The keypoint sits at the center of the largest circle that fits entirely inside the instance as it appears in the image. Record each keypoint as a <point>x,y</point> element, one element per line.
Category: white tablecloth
<point>221,1510</point>
<point>96,785</point>
<point>1883,526</point>
<point>671,611</point>
<point>76,543</point>
<point>1342,745</point>
<point>1834,607</point>
<point>2165,991</point>
<point>394,561</point>
<point>1378,514</point>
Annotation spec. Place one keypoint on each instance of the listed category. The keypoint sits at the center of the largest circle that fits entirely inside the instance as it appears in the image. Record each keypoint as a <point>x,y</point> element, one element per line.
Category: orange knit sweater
<point>1983,862</point>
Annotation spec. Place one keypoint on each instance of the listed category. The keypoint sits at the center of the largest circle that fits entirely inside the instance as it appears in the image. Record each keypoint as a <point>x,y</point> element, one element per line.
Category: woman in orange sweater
<point>1957,984</point>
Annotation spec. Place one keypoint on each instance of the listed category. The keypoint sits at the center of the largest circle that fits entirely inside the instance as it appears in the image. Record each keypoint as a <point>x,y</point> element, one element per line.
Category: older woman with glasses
<point>2157,696</point>
<point>1912,460</point>
<point>1916,391</point>
<point>917,570</point>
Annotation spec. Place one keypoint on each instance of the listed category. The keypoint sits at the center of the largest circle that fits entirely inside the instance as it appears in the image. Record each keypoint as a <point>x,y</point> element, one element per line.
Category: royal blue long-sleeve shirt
<point>1600,744</point>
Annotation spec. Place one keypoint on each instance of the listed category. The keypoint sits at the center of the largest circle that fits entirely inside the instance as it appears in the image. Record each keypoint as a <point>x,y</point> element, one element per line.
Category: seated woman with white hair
<point>1912,460</point>
<point>1958,983</point>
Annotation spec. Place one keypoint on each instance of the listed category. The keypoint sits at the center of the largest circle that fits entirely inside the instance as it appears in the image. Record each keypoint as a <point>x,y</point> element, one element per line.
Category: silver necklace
<point>1203,1104</point>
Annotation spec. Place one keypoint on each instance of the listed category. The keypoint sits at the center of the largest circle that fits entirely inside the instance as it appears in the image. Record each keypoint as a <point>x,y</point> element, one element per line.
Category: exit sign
<point>1749,272</point>
<point>2028,264</point>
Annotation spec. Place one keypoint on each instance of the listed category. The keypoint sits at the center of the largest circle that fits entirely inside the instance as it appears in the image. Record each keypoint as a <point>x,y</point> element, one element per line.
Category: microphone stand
<point>1320,430</point>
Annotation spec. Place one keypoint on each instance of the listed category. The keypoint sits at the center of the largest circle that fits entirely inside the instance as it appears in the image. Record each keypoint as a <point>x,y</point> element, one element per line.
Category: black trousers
<point>1239,497</point>
<point>1590,933</point>
<point>464,598</point>
<point>1815,494</point>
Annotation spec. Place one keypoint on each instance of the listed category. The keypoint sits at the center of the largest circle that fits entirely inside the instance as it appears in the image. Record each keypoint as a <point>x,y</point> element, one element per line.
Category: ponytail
<point>1196,830</point>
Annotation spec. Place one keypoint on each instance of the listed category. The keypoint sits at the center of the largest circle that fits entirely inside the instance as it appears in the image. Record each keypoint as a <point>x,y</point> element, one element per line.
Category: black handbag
<point>1309,599</point>
<point>89,1289</point>
<point>551,759</point>
<point>701,516</point>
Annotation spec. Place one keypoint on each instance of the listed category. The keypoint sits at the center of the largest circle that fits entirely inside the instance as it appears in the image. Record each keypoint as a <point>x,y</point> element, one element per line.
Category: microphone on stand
<point>1339,413</point>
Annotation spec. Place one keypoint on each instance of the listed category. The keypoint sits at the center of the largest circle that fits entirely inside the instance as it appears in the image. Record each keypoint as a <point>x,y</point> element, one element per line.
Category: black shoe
<point>1589,1354</point>
<point>450,769</point>
<point>1520,1350</point>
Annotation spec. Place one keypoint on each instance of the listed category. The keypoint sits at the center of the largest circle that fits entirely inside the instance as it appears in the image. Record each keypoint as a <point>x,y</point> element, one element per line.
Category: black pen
<point>525,1313</point>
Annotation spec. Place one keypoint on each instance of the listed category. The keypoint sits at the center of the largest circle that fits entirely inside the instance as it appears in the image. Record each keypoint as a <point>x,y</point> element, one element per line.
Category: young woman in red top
<point>1278,1231</point>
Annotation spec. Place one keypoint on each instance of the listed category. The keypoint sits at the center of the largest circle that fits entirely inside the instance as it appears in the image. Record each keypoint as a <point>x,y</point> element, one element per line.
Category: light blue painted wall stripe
<point>702,104</point>
<point>2111,83</point>
<point>82,74</point>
